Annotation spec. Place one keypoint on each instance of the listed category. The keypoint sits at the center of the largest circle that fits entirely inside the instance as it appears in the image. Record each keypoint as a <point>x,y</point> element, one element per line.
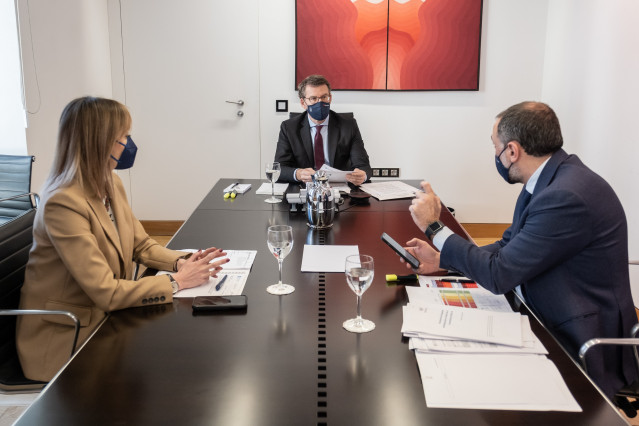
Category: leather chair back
<point>15,179</point>
<point>16,239</point>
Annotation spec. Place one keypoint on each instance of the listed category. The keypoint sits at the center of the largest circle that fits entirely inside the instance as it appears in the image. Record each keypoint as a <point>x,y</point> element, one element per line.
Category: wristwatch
<point>433,228</point>
<point>174,284</point>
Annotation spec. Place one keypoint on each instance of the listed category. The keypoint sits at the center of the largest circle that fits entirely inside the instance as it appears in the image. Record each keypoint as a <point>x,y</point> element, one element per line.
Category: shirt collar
<point>532,182</point>
<point>312,123</point>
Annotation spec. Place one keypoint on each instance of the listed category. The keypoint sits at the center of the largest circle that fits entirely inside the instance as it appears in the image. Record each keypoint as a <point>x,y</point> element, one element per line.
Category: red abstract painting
<point>390,44</point>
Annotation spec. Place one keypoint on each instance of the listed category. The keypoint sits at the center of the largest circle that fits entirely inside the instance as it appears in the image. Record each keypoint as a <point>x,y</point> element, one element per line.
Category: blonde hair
<point>89,127</point>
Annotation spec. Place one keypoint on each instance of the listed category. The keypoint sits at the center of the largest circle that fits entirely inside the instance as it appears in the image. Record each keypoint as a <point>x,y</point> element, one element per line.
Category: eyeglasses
<point>314,99</point>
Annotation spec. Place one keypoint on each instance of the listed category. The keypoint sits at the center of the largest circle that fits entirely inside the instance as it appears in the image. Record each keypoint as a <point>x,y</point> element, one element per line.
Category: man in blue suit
<point>566,252</point>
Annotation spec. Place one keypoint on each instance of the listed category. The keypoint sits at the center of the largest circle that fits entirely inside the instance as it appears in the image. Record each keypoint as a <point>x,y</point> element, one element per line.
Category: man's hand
<point>304,175</point>
<point>356,177</point>
<point>428,257</point>
<point>426,207</point>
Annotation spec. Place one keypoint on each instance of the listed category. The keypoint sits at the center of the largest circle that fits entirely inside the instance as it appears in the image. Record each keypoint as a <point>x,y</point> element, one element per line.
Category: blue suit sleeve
<point>556,227</point>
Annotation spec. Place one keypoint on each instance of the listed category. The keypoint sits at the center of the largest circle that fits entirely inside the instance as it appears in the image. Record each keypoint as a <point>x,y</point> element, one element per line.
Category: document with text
<point>390,190</point>
<point>530,344</point>
<point>230,280</point>
<point>498,382</point>
<point>461,323</point>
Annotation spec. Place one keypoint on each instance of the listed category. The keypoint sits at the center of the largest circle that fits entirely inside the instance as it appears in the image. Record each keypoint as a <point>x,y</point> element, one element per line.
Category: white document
<point>531,344</point>
<point>390,190</point>
<point>500,382</point>
<point>333,174</point>
<point>461,323</point>
<point>232,285</point>
<point>240,188</point>
<point>236,271</point>
<point>328,258</point>
<point>265,188</point>
<point>475,298</point>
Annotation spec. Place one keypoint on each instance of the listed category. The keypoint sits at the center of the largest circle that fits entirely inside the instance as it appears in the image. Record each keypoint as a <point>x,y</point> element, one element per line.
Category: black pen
<point>219,285</point>
<point>456,280</point>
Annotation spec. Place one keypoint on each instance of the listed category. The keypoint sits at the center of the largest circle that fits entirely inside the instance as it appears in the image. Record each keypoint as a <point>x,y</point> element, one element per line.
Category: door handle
<point>240,102</point>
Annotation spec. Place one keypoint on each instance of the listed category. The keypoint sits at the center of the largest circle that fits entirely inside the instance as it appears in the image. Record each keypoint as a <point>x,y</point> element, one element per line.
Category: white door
<point>181,62</point>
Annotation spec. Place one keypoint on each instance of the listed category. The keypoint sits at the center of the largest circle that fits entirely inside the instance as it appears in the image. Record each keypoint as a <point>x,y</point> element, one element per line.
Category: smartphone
<point>412,260</point>
<point>219,303</point>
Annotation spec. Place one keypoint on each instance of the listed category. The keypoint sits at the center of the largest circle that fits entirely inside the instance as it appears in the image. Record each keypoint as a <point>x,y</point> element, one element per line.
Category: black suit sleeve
<point>284,154</point>
<point>351,153</point>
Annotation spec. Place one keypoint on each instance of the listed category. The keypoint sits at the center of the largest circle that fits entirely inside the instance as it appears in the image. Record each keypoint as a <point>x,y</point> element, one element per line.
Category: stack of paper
<point>498,382</point>
<point>474,352</point>
<point>389,190</point>
<point>453,323</point>
<point>265,188</point>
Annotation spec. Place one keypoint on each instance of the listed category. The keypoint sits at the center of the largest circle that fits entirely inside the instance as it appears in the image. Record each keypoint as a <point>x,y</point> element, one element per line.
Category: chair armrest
<point>76,321</point>
<point>609,341</point>
<point>35,198</point>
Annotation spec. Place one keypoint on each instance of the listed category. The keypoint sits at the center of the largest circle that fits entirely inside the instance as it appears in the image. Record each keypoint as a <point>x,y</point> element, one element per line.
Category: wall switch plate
<point>281,105</point>
<point>391,172</point>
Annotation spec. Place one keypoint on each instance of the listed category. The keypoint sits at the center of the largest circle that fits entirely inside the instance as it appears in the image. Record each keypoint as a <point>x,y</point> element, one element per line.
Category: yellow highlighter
<point>231,193</point>
<point>401,278</point>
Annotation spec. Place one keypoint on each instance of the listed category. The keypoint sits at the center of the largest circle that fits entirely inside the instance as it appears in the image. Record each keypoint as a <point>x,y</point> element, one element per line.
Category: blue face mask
<point>319,111</point>
<point>501,169</point>
<point>127,158</point>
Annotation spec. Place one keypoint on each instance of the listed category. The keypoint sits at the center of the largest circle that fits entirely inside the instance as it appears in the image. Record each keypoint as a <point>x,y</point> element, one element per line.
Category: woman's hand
<point>197,269</point>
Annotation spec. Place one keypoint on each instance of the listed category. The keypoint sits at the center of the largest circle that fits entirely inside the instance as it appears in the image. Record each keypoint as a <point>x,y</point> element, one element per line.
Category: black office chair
<point>16,239</point>
<point>622,398</point>
<point>15,186</point>
<point>341,114</point>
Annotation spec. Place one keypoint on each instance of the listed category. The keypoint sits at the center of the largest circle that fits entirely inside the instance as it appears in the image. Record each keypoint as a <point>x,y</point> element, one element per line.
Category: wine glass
<point>359,276</point>
<point>272,174</point>
<point>280,242</point>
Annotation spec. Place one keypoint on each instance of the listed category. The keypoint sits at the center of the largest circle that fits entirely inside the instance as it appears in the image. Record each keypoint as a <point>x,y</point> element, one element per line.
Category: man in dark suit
<point>566,252</point>
<point>320,136</point>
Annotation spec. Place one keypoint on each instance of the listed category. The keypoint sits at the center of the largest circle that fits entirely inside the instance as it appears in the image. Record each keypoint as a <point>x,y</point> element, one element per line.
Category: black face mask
<point>501,169</point>
<point>319,110</point>
<point>127,158</point>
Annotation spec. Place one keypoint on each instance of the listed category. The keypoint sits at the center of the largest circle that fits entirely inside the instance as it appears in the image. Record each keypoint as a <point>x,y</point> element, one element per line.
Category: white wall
<point>590,79</point>
<point>443,137</point>
<point>12,117</point>
<point>577,55</point>
<point>69,40</point>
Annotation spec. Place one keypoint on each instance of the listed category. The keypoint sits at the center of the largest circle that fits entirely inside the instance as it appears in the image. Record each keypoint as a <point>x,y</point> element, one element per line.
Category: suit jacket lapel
<point>333,137</point>
<point>544,180</point>
<point>305,135</point>
<point>549,171</point>
<point>109,229</point>
<point>125,227</point>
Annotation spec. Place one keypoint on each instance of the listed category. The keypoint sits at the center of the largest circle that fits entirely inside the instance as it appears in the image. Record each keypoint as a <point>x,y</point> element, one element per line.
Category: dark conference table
<point>286,360</point>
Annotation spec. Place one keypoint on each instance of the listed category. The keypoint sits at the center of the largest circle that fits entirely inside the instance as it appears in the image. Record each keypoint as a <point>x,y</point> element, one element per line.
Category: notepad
<point>239,188</point>
<point>265,188</point>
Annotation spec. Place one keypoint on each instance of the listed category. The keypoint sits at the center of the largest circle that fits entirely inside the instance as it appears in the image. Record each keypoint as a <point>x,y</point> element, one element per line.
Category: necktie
<point>318,148</point>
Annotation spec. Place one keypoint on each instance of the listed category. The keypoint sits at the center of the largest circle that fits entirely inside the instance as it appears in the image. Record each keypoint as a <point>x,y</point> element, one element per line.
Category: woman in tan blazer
<point>86,239</point>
